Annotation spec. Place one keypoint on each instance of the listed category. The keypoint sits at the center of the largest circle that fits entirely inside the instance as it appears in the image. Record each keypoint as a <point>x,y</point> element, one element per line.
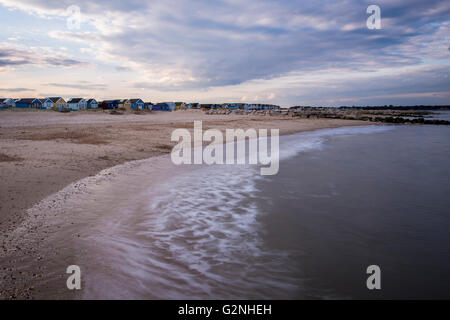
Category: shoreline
<point>16,283</point>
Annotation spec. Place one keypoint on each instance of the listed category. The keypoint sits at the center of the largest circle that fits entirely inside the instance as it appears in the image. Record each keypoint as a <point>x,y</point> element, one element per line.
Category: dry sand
<point>41,152</point>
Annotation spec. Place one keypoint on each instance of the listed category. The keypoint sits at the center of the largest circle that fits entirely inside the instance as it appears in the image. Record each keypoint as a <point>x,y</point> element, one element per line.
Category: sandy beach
<point>42,152</point>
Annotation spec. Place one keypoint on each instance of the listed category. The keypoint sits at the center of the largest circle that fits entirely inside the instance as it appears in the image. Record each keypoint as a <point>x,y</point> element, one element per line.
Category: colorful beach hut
<point>136,104</point>
<point>29,103</point>
<point>77,104</point>
<point>92,104</point>
<point>164,106</point>
<point>124,103</point>
<point>46,103</point>
<point>109,104</point>
<point>59,104</point>
<point>9,102</point>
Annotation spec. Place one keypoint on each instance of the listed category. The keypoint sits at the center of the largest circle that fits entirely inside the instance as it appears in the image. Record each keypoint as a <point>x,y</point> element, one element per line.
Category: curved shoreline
<point>21,283</point>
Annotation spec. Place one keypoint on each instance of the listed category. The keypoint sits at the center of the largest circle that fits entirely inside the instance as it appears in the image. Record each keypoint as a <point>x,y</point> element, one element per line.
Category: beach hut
<point>164,106</point>
<point>109,104</point>
<point>3,105</point>
<point>92,104</point>
<point>259,106</point>
<point>124,103</point>
<point>59,104</point>
<point>28,103</point>
<point>8,102</point>
<point>42,100</point>
<point>179,105</point>
<point>170,105</point>
<point>270,107</point>
<point>194,105</point>
<point>232,106</point>
<point>211,106</point>
<point>46,103</point>
<point>161,106</point>
<point>148,105</point>
<point>77,104</point>
<point>136,104</point>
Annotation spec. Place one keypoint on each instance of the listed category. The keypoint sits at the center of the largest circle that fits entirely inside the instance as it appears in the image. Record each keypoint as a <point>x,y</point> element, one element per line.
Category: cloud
<point>426,85</point>
<point>84,85</point>
<point>15,89</point>
<point>271,96</point>
<point>229,42</point>
<point>192,45</point>
<point>17,55</point>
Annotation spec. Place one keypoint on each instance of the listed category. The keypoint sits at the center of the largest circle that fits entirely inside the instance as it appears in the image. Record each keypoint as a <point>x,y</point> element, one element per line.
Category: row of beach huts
<point>75,104</point>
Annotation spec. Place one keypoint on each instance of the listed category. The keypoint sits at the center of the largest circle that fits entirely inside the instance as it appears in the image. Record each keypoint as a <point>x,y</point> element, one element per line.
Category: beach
<point>343,199</point>
<point>42,152</point>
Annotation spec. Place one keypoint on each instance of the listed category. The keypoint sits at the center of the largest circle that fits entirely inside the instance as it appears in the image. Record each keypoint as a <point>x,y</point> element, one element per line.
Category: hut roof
<point>27,100</point>
<point>55,99</point>
<point>75,100</point>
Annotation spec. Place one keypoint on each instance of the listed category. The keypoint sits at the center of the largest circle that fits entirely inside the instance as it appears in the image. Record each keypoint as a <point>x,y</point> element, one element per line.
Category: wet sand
<point>42,152</point>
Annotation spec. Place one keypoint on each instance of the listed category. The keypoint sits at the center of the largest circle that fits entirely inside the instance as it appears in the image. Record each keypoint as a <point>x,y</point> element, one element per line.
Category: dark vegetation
<point>386,114</point>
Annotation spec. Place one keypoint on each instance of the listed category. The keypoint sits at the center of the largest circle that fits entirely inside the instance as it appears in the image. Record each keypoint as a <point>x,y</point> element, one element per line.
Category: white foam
<point>303,142</point>
<point>198,237</point>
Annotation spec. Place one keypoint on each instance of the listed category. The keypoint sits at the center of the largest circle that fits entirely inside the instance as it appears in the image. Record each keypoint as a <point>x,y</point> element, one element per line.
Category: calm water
<point>344,199</point>
<point>439,115</point>
<point>379,198</point>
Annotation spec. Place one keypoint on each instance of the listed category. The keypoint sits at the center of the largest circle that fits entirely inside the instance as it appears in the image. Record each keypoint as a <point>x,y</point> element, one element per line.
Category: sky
<point>284,52</point>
